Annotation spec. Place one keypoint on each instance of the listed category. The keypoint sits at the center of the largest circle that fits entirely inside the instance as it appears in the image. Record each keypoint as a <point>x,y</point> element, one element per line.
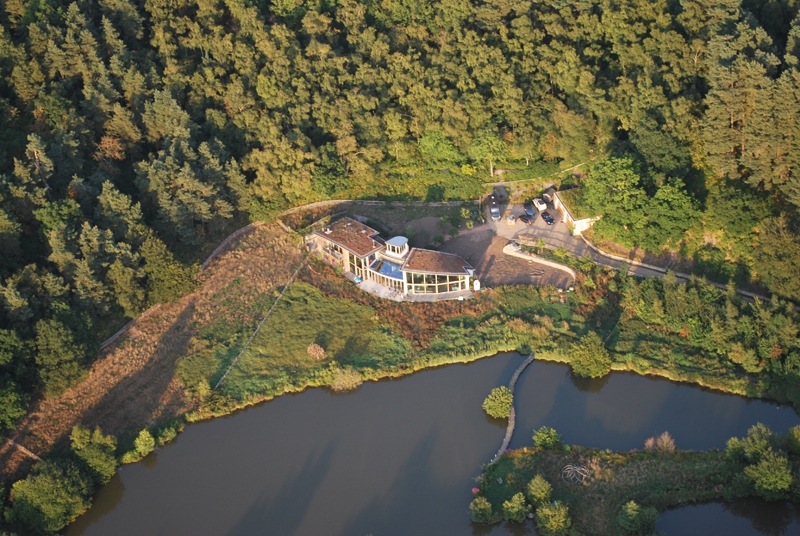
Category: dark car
<point>548,218</point>
<point>529,210</point>
<point>527,220</point>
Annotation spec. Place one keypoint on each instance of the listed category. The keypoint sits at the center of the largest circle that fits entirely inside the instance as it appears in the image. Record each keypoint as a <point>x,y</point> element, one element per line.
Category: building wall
<point>418,283</point>
<point>412,283</point>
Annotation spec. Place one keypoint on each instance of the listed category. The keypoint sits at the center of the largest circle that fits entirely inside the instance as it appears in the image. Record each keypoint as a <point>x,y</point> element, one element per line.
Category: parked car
<point>539,204</point>
<point>494,208</point>
<point>527,220</point>
<point>529,210</point>
<point>548,218</point>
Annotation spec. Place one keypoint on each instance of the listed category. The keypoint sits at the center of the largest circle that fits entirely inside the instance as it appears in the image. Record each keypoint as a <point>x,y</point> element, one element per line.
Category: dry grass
<point>133,383</point>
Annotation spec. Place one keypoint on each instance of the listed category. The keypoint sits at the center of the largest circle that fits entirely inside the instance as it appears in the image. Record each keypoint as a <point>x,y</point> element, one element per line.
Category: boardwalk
<point>512,416</point>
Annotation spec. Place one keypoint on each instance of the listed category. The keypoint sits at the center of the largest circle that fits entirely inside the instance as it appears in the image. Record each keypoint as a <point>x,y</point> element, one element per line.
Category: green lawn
<point>278,360</point>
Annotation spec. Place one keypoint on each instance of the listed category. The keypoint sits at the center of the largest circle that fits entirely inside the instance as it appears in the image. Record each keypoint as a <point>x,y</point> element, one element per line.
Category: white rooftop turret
<point>397,241</point>
<point>397,247</point>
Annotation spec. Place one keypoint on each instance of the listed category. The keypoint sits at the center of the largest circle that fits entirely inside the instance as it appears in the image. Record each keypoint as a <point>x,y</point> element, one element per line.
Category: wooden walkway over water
<point>512,415</point>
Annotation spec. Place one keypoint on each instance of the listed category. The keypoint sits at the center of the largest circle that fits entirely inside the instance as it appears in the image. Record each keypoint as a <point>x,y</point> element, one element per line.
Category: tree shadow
<point>435,193</point>
<point>589,385</point>
<point>768,518</point>
<point>285,514</point>
<point>104,502</point>
<point>155,398</point>
<point>415,474</point>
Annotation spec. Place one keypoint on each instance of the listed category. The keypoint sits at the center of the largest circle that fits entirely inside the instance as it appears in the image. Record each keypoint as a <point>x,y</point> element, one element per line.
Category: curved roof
<point>397,241</point>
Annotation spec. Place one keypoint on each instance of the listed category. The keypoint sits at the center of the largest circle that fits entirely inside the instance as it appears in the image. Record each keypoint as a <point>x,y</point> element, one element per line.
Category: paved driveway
<point>557,236</point>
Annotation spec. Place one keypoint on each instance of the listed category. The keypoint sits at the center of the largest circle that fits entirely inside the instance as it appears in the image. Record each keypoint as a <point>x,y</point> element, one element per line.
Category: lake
<point>398,457</point>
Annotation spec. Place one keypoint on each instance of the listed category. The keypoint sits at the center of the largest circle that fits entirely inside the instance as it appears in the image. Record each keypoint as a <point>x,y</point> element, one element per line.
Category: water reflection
<point>761,518</point>
<point>589,385</point>
<point>105,503</point>
<point>394,457</point>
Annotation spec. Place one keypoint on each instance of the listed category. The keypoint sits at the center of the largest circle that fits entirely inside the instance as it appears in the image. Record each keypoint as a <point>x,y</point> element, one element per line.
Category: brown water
<point>398,457</point>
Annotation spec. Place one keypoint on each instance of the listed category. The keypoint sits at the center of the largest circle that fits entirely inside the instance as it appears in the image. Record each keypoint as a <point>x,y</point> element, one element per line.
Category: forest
<point>134,135</point>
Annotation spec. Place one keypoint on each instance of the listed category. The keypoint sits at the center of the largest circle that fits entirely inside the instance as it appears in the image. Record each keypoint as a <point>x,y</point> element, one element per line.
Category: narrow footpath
<point>512,415</point>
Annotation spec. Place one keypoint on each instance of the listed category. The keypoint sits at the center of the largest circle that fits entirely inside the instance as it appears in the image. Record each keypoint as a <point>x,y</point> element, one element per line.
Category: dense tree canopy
<point>135,133</point>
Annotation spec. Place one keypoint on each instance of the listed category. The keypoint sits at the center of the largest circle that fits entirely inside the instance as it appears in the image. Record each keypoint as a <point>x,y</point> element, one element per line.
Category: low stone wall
<point>515,251</point>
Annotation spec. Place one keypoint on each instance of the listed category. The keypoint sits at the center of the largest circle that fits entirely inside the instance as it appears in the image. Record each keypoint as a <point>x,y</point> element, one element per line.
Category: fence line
<point>23,449</point>
<point>228,240</point>
<point>127,326</point>
<point>291,279</point>
<point>512,417</point>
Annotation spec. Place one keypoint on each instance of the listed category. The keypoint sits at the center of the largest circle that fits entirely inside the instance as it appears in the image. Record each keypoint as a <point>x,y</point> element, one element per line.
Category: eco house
<point>358,249</point>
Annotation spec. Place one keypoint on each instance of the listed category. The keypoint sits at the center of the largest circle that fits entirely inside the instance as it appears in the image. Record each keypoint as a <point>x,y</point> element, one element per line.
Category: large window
<point>434,283</point>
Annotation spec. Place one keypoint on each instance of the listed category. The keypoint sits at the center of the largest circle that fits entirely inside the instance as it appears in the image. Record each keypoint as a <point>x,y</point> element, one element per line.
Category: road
<point>555,236</point>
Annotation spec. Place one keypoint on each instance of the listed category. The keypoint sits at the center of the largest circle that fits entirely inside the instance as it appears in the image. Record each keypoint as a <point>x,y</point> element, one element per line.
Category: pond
<point>397,457</point>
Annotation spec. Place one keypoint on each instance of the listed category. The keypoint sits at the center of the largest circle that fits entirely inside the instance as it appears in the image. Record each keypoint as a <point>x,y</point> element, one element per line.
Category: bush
<point>516,509</point>
<point>498,403</point>
<point>53,495</point>
<point>793,441</point>
<point>553,519</point>
<point>546,438</point>
<point>480,510</point>
<point>635,520</point>
<point>346,379</point>
<point>316,351</point>
<point>539,490</point>
<point>771,477</point>
<point>662,443</point>
<point>144,443</point>
<point>590,359</point>
<point>97,451</point>
<point>760,440</point>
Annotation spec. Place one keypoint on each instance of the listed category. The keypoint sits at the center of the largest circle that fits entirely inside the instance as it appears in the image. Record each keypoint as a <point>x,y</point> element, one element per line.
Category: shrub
<point>590,359</point>
<point>553,519</point>
<point>665,443</point>
<point>516,509</point>
<point>97,451</point>
<point>546,438</point>
<point>498,403</point>
<point>793,441</point>
<point>771,477</point>
<point>633,519</point>
<point>169,432</point>
<point>316,351</point>
<point>759,441</point>
<point>346,379</point>
<point>539,490</point>
<point>54,494</point>
<point>480,510</point>
<point>144,443</point>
